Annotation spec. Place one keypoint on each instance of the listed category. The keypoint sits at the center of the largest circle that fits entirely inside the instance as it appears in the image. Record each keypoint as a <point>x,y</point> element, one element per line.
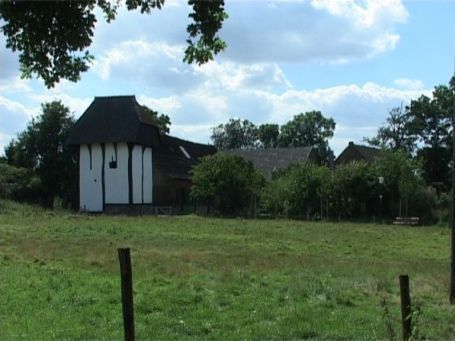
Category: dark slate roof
<point>176,156</point>
<point>270,160</point>
<point>115,119</point>
<point>357,152</point>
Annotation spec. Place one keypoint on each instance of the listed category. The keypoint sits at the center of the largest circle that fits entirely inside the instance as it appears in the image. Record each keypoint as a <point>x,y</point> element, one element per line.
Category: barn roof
<point>177,156</point>
<point>115,119</point>
<point>269,160</point>
<point>122,119</point>
<point>357,152</point>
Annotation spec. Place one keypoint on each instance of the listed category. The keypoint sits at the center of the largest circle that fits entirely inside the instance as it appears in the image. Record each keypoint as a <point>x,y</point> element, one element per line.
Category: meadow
<point>206,278</point>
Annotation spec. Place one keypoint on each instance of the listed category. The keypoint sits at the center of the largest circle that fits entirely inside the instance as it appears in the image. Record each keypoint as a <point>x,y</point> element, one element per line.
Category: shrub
<point>294,192</point>
<point>227,183</point>
<point>18,183</point>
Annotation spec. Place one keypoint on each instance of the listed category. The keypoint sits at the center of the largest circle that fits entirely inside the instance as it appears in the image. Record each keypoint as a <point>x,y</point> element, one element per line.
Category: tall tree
<point>161,120</point>
<point>310,129</point>
<point>431,122</point>
<point>53,37</point>
<point>268,135</point>
<point>42,148</point>
<point>235,134</point>
<point>402,179</point>
<point>397,133</point>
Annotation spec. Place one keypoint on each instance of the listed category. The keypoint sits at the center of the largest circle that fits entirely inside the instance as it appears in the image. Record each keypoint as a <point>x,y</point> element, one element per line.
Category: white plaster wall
<point>148,176</point>
<point>116,179</point>
<point>142,186</point>
<point>91,195</point>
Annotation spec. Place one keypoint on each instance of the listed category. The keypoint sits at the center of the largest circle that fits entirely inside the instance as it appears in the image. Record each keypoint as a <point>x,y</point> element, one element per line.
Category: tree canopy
<point>53,37</point>
<point>423,129</point>
<point>42,148</point>
<point>227,182</point>
<point>397,134</point>
<point>268,135</point>
<point>161,120</point>
<point>310,129</point>
<point>431,123</point>
<point>235,134</point>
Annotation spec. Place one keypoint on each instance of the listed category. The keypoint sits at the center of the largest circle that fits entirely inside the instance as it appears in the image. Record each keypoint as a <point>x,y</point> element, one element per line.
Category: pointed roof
<point>115,119</point>
<point>357,152</point>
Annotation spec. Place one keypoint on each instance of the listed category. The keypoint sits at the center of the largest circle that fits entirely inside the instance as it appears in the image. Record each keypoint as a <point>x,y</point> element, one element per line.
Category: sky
<point>353,60</point>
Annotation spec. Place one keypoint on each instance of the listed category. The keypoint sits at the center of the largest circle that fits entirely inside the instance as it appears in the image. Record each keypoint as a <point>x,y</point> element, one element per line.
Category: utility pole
<point>452,208</point>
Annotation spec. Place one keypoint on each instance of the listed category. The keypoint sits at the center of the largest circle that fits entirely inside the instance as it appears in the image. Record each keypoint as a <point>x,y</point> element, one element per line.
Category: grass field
<point>200,278</point>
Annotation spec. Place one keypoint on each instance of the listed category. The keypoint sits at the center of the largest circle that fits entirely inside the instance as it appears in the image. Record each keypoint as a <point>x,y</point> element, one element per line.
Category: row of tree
<point>309,129</point>
<point>423,130</point>
<point>230,185</point>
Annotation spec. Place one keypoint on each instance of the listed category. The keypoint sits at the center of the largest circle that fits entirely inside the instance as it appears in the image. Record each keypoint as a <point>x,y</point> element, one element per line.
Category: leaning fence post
<point>127,293</point>
<point>405,307</point>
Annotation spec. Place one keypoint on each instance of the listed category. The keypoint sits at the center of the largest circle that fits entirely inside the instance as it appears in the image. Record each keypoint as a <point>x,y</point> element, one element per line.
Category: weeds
<point>387,319</point>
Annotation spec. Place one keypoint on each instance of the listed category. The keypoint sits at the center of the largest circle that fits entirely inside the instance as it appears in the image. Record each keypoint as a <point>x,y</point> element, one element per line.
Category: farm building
<point>269,160</point>
<point>354,152</point>
<point>126,164</point>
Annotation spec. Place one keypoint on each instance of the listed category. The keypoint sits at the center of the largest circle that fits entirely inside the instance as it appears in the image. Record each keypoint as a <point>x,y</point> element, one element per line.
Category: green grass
<point>200,278</point>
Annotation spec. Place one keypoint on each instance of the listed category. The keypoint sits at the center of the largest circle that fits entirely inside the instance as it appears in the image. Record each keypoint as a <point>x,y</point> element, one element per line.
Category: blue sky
<point>351,59</point>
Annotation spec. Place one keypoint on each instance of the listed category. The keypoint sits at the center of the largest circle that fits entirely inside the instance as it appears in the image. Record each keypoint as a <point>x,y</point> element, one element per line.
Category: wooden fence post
<point>127,293</point>
<point>405,307</point>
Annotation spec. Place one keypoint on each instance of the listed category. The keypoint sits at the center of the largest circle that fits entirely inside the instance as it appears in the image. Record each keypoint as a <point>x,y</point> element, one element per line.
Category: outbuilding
<point>126,164</point>
<point>355,152</point>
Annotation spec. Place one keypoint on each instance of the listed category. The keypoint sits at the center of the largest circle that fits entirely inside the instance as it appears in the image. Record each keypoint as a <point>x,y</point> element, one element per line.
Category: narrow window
<point>113,163</point>
<point>90,154</point>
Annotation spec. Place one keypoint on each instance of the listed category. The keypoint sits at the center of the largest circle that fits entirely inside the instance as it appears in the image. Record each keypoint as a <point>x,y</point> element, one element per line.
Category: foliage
<point>354,188</point>
<point>268,135</point>
<point>208,18</point>
<point>431,122</point>
<point>397,133</point>
<point>161,120</point>
<point>351,191</point>
<point>235,134</point>
<point>223,279</point>
<point>227,181</point>
<point>424,129</point>
<point>310,129</point>
<point>18,183</point>
<point>402,182</point>
<point>52,38</point>
<point>42,149</point>
<point>294,192</point>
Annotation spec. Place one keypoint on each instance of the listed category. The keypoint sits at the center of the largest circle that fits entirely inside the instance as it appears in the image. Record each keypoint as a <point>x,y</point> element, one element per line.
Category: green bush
<point>227,183</point>
<point>18,183</point>
<point>294,192</point>
<point>351,191</point>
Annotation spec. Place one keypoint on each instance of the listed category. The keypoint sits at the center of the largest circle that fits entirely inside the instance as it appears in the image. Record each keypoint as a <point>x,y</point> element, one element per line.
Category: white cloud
<point>409,84</point>
<point>135,54</point>
<point>14,84</point>
<point>357,110</point>
<point>158,66</point>
<point>16,107</point>
<point>75,104</point>
<point>163,105</point>
<point>321,31</point>
<point>366,13</point>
